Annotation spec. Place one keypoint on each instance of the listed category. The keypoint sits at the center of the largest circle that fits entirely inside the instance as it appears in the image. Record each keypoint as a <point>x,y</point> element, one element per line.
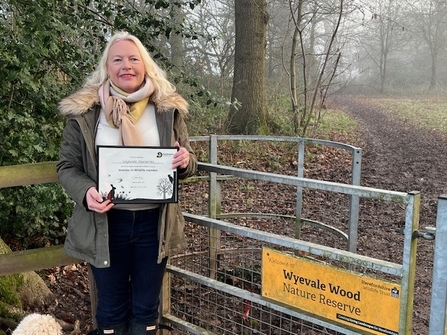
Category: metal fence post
<point>214,209</point>
<point>439,285</point>
<point>299,191</point>
<point>409,262</point>
<point>354,201</point>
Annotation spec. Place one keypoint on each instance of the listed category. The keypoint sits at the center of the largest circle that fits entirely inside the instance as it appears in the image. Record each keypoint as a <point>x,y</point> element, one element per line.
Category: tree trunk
<point>296,37</point>
<point>20,291</point>
<point>175,39</point>
<point>433,77</point>
<point>248,112</point>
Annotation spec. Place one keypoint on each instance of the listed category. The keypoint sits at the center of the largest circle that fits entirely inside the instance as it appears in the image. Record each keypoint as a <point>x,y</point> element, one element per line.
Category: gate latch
<point>428,234</point>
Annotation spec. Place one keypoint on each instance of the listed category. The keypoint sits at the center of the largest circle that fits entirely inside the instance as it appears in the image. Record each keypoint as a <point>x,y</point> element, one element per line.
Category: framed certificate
<point>137,174</point>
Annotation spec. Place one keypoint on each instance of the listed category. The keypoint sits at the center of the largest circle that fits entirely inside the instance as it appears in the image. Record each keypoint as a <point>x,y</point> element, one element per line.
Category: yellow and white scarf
<point>122,110</point>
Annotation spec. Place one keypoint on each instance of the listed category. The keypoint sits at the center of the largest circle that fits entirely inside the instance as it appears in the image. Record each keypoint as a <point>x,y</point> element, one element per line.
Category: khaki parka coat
<point>87,233</point>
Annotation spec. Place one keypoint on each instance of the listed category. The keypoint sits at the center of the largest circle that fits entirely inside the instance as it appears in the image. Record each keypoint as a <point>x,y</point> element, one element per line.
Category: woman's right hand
<point>96,203</point>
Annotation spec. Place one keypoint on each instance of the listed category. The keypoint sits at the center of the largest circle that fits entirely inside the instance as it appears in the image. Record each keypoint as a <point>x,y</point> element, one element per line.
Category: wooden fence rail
<point>28,174</point>
<point>34,260</point>
<point>40,258</point>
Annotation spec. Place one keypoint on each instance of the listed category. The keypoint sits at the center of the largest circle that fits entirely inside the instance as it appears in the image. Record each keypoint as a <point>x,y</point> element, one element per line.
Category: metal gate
<point>215,287</point>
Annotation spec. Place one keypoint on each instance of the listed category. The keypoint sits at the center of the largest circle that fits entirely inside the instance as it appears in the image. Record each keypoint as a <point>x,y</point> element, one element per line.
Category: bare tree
<point>165,188</point>
<point>312,21</point>
<point>384,33</point>
<point>212,55</point>
<point>249,68</point>
<point>430,19</point>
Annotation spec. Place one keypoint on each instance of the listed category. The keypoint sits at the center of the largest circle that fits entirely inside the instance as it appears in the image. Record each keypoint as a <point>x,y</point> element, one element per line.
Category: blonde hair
<point>164,96</point>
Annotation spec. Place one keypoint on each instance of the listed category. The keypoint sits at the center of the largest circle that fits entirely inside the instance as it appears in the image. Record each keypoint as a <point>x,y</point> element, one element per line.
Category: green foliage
<point>48,48</point>
<point>206,119</point>
<point>34,60</point>
<point>37,214</point>
<point>26,138</point>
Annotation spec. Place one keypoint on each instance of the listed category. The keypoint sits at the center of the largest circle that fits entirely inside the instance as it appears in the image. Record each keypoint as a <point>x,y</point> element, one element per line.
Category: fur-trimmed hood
<point>79,102</point>
<point>84,99</point>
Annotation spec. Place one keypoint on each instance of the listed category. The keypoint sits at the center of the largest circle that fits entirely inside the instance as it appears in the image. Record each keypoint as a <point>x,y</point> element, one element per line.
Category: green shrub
<point>36,214</point>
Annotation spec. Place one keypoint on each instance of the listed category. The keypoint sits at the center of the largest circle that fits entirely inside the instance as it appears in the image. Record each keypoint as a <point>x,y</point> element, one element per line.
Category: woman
<point>127,100</point>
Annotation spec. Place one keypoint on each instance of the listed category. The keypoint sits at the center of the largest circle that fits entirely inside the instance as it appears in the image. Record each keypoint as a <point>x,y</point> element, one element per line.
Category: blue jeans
<point>130,288</point>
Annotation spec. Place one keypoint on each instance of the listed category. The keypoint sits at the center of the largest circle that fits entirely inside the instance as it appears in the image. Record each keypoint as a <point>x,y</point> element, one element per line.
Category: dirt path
<point>398,156</point>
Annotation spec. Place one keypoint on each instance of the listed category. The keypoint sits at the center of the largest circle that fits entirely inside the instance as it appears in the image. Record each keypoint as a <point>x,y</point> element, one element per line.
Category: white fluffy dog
<point>38,324</point>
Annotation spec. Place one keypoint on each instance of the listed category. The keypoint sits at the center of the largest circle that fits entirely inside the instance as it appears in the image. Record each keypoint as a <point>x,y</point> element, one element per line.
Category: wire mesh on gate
<point>239,265</point>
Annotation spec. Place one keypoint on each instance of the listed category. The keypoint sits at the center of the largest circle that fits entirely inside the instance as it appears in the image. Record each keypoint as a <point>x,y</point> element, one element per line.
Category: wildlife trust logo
<point>164,154</point>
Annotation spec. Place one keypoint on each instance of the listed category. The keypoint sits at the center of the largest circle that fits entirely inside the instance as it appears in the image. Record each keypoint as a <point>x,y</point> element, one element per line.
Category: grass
<point>424,111</point>
<point>336,121</point>
<point>429,113</point>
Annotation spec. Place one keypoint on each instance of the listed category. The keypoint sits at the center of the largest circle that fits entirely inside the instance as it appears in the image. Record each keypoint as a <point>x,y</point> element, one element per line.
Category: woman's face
<point>125,66</point>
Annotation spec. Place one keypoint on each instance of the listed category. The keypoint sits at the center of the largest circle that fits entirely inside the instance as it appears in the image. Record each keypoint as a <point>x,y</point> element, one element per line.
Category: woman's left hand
<point>181,157</point>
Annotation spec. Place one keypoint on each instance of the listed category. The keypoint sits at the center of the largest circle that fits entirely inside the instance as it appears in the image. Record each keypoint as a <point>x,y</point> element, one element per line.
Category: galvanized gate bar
<point>368,192</point>
<point>439,286</point>
<point>409,262</point>
<point>284,241</point>
<point>213,209</point>
<point>299,192</point>
<point>354,201</point>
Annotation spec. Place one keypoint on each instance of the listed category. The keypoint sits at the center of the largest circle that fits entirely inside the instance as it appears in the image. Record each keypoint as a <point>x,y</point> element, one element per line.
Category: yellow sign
<point>358,301</point>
